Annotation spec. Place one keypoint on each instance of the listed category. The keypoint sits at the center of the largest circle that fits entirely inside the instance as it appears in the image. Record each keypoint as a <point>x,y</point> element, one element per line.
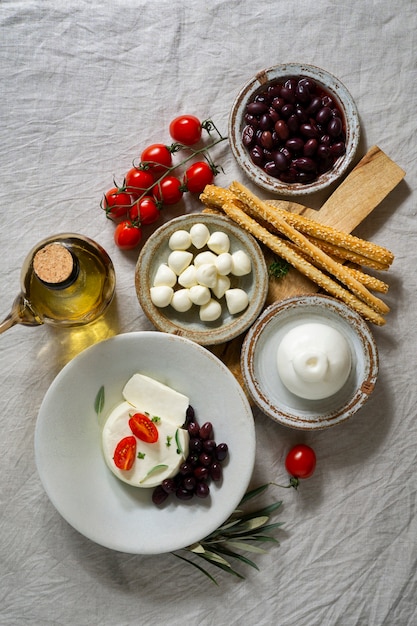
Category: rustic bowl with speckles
<point>260,370</point>
<point>279,74</point>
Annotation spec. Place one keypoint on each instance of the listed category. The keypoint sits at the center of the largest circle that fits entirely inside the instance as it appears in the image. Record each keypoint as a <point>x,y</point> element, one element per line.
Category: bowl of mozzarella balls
<point>202,277</point>
<point>294,129</point>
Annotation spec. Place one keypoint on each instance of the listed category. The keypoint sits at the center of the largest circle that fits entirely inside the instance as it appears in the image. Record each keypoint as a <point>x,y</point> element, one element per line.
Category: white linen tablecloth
<point>85,85</point>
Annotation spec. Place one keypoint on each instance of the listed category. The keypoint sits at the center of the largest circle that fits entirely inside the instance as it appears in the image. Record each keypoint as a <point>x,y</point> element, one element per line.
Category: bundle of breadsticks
<point>319,252</point>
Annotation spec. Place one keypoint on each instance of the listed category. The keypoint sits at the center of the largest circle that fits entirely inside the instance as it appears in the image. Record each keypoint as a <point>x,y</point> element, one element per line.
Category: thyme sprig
<point>241,532</point>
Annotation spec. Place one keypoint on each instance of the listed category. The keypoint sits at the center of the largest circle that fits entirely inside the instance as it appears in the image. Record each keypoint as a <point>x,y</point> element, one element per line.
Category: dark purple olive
<point>310,147</point>
<point>202,490</point>
<point>183,494</point>
<point>305,164</point>
<point>281,160</point>
<point>159,495</point>
<point>248,136</point>
<point>257,155</point>
<point>257,108</point>
<point>282,130</point>
<point>222,451</point>
<point>294,144</point>
<point>206,430</point>
<point>334,127</point>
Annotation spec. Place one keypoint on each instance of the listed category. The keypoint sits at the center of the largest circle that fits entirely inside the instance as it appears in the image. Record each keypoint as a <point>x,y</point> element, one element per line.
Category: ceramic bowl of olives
<point>294,129</point>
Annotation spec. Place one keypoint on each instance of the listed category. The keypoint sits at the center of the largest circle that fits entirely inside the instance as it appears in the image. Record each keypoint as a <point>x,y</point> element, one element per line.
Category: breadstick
<point>343,240</point>
<point>318,256</point>
<point>279,247</point>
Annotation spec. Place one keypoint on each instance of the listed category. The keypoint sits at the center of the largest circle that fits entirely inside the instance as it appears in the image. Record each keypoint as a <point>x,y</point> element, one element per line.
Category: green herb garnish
<point>141,455</point>
<point>178,442</point>
<point>99,401</point>
<point>279,268</point>
<point>155,468</point>
<point>239,532</point>
<point>168,443</point>
<point>155,419</point>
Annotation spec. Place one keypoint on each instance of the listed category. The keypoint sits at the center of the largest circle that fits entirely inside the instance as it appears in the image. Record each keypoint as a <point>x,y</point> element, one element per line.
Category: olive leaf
<point>238,533</point>
<point>99,400</point>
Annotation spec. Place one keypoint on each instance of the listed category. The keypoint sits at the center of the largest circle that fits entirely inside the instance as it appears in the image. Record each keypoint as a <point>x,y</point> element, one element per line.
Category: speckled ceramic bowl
<point>188,324</point>
<point>260,369</point>
<point>277,74</point>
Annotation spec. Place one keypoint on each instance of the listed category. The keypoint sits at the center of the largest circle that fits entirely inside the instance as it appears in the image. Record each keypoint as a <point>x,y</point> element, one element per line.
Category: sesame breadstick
<point>318,256</point>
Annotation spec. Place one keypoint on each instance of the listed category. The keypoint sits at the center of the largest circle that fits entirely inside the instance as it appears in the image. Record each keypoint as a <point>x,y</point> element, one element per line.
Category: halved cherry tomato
<point>137,181</point>
<point>144,211</point>
<point>185,129</point>
<point>157,157</point>
<point>143,428</point>
<point>125,453</point>
<point>127,235</point>
<point>301,461</point>
<point>116,203</point>
<point>168,190</point>
<point>197,176</point>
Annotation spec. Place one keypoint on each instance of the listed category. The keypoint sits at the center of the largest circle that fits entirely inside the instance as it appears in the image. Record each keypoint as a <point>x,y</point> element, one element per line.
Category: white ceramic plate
<point>68,443</point>
<point>227,327</point>
<point>260,370</point>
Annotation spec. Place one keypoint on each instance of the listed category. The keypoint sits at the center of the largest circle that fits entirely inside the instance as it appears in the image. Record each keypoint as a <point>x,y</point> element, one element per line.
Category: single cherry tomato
<point>125,453</point>
<point>168,190</point>
<point>116,203</point>
<point>144,211</point>
<point>143,428</point>
<point>197,176</point>
<point>301,461</point>
<point>185,129</point>
<point>157,157</point>
<point>137,181</point>
<point>127,235</point>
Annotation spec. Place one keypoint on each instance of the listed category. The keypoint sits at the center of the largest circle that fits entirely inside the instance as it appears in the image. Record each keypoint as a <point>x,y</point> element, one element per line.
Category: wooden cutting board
<point>373,178</point>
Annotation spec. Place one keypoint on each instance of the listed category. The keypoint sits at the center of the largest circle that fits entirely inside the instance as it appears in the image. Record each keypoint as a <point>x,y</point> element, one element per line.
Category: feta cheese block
<point>167,408</point>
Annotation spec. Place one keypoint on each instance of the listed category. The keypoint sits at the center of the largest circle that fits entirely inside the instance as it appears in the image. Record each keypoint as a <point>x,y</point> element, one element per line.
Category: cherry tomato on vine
<point>158,157</point>
<point>116,203</point>
<point>301,461</point>
<point>137,181</point>
<point>143,428</point>
<point>168,190</point>
<point>185,129</point>
<point>125,453</point>
<point>144,211</point>
<point>127,235</point>
<point>197,176</point>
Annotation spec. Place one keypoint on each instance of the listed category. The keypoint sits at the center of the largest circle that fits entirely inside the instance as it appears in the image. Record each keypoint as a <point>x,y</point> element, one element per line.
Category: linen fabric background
<point>85,86</point>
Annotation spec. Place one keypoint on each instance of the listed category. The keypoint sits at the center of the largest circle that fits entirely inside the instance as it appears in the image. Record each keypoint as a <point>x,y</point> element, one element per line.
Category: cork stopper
<point>55,266</point>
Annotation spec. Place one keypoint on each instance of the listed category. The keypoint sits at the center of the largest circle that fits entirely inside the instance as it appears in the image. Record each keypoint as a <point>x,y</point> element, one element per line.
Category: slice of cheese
<point>158,400</point>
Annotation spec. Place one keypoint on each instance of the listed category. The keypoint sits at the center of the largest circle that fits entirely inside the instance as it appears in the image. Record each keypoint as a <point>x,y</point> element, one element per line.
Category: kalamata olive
<point>169,485</point>
<point>308,82</point>
<point>289,176</point>
<point>257,155</point>
<point>266,140</point>
<point>301,115</point>
<point>274,115</point>
<point>265,122</point>
<point>287,110</point>
<point>221,451</point>
<point>209,445</point>
<point>323,115</point>
<point>302,92</point>
<point>183,494</point>
<point>202,490</point>
<point>201,472</point>
<point>273,90</point>
<point>193,429</point>
<point>195,444</point>
<point>309,130</point>
<point>205,459</point>
<point>305,164</point>
<point>281,160</point>
<point>314,106</point>
<point>271,168</point>
<point>261,97</point>
<point>327,101</point>
<point>248,136</point>
<point>206,430</point>
<point>282,130</point>
<point>325,140</point>
<point>338,149</point>
<point>278,103</point>
<point>293,124</point>
<point>251,119</point>
<point>186,469</point>
<point>334,127</point>
<point>288,94</point>
<point>323,151</point>
<point>294,144</point>
<point>189,483</point>
<point>159,495</point>
<point>310,147</point>
<point>216,472</point>
<point>257,108</point>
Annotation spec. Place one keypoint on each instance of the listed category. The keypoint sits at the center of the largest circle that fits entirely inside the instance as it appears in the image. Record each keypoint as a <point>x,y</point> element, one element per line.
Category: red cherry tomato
<point>145,211</point>
<point>125,453</point>
<point>301,461</point>
<point>185,129</point>
<point>168,190</point>
<point>157,157</point>
<point>116,203</point>
<point>137,181</point>
<point>143,428</point>
<point>127,235</point>
<point>197,176</point>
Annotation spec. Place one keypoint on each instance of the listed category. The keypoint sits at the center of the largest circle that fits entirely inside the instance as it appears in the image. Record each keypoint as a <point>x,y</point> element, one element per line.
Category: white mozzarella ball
<point>180,240</point>
<point>224,263</point>
<point>199,235</point>
<point>237,300</point>
<point>178,260</point>
<point>211,311</point>
<point>205,257</point>
<point>206,275</point>
<point>161,295</point>
<point>187,278</point>
<point>164,276</point>
<point>219,242</point>
<point>222,285</point>
<point>199,294</point>
<point>181,301</point>
<point>241,263</point>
